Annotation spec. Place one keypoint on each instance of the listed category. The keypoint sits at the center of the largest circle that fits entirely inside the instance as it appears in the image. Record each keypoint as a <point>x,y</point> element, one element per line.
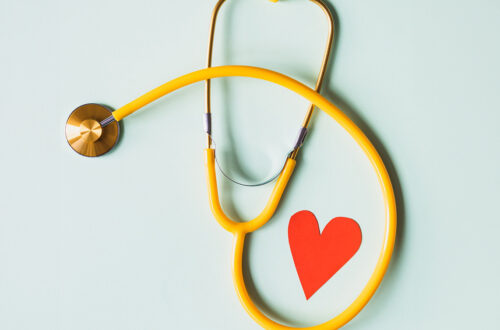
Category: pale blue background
<point>127,241</point>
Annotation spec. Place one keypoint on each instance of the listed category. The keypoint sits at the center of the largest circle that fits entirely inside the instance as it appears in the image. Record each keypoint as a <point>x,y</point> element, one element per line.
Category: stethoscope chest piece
<point>90,132</point>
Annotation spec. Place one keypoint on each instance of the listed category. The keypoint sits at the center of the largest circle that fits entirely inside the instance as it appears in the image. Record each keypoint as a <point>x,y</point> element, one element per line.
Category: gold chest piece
<point>90,132</point>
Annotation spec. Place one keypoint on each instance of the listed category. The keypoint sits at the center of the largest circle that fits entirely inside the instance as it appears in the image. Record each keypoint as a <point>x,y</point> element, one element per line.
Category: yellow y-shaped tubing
<point>267,212</point>
<point>240,230</point>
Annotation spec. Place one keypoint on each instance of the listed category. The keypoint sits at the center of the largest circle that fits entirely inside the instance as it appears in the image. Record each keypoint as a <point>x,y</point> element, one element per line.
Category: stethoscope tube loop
<point>240,230</point>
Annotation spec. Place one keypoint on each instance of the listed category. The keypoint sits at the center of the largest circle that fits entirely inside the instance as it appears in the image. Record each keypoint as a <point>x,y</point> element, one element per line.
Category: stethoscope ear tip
<point>91,130</point>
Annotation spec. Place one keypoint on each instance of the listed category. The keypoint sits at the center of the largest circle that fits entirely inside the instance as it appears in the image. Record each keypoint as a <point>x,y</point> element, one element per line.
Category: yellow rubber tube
<point>240,230</point>
<point>268,211</point>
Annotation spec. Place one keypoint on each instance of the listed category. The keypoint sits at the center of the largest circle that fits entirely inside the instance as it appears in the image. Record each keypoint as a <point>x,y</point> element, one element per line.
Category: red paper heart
<point>318,256</point>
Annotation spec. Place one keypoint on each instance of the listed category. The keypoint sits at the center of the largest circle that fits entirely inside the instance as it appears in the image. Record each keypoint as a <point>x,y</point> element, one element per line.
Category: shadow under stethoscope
<point>385,289</point>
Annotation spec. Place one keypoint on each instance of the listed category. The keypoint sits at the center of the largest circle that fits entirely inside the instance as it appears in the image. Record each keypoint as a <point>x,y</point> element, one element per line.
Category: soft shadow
<point>259,301</point>
<point>230,160</point>
<point>387,285</point>
<point>379,301</point>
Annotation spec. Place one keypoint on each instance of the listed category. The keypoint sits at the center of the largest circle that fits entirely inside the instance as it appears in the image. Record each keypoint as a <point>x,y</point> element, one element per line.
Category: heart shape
<point>318,256</point>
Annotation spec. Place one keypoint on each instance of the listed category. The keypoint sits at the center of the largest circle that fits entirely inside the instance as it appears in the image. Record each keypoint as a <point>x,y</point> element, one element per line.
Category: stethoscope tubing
<point>240,230</point>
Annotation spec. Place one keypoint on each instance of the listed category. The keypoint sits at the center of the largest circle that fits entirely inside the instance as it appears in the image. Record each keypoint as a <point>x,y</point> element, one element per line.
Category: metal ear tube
<point>319,81</point>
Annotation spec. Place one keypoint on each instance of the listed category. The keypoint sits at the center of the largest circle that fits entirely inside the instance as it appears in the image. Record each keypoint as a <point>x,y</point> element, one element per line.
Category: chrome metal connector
<point>207,123</point>
<point>107,121</point>
<point>300,138</point>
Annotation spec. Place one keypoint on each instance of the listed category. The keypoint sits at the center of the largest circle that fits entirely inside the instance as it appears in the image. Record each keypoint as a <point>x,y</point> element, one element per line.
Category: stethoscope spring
<point>207,123</point>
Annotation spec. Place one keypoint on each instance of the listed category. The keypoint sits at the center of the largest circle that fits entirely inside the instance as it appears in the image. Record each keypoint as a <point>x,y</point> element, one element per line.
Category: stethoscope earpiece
<point>91,130</point>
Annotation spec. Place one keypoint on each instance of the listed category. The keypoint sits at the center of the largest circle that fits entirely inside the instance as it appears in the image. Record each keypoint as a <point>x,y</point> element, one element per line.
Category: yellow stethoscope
<point>93,129</point>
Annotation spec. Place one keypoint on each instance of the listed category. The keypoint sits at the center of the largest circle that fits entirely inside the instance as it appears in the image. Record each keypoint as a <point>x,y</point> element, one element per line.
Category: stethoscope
<point>92,130</point>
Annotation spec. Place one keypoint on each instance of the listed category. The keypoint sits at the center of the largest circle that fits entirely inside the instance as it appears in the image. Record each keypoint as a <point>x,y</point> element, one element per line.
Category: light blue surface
<point>84,248</point>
